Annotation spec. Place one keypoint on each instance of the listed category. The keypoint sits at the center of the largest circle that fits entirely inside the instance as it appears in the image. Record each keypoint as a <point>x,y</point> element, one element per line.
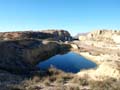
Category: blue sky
<point>72,15</point>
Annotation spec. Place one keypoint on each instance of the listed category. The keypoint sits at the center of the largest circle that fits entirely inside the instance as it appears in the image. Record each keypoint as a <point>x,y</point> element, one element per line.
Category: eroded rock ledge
<point>21,51</point>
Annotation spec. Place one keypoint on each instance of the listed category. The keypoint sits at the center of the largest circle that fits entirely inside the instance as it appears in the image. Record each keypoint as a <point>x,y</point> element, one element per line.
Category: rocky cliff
<point>109,36</point>
<point>21,51</point>
<point>58,35</point>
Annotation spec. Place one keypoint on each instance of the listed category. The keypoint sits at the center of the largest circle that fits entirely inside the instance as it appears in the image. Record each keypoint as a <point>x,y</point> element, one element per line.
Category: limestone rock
<point>82,38</point>
<point>116,38</point>
<point>74,46</point>
<point>110,69</point>
<point>107,36</point>
<point>21,51</point>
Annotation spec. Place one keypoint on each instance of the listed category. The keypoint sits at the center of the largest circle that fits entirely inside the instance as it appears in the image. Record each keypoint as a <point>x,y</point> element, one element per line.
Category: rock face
<point>109,36</point>
<point>74,46</point>
<point>102,47</point>
<point>21,55</point>
<point>46,34</point>
<point>21,51</point>
<point>116,38</point>
<point>82,38</point>
<point>59,35</point>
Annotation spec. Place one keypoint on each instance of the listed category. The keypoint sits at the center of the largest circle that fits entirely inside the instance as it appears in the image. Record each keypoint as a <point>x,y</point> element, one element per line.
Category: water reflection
<point>69,62</point>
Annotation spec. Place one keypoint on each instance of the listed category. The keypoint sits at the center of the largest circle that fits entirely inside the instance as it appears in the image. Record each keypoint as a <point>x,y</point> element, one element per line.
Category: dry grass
<point>108,84</point>
<point>58,80</point>
<point>72,87</point>
<point>46,82</point>
<point>80,81</point>
<point>46,79</point>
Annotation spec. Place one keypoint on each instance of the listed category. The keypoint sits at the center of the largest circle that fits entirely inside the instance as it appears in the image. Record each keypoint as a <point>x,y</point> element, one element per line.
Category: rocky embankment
<point>21,51</point>
<point>22,55</point>
<point>102,47</point>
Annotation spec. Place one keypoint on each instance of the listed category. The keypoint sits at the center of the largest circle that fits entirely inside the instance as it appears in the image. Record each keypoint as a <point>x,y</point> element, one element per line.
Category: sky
<point>76,16</point>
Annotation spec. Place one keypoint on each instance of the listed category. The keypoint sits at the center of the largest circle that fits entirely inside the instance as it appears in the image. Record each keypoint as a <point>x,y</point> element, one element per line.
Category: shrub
<point>80,81</point>
<point>47,82</point>
<point>72,87</point>
<point>108,84</point>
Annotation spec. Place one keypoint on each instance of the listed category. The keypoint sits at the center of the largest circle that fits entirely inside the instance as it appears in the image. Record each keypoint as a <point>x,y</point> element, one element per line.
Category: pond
<point>69,62</point>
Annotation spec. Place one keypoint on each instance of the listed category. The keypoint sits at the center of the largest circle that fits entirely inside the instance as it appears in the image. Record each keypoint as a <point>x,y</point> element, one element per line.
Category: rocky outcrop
<point>59,35</point>
<point>116,38</point>
<point>8,79</point>
<point>22,55</point>
<point>76,37</point>
<point>102,47</point>
<point>21,51</point>
<point>45,34</point>
<point>108,36</point>
<point>82,38</point>
<point>108,66</point>
<point>74,46</point>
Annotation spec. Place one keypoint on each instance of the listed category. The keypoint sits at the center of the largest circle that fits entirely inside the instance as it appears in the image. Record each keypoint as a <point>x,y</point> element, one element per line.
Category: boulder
<point>74,46</point>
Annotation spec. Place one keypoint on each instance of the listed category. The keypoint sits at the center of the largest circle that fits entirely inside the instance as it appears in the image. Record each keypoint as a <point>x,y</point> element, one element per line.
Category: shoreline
<point>87,56</point>
<point>105,68</point>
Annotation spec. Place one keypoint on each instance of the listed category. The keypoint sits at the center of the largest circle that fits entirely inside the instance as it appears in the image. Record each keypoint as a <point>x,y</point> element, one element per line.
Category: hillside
<point>20,52</point>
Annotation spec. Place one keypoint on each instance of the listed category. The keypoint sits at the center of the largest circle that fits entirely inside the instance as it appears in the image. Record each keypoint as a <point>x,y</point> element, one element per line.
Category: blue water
<point>70,62</point>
